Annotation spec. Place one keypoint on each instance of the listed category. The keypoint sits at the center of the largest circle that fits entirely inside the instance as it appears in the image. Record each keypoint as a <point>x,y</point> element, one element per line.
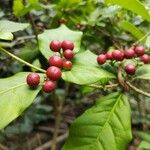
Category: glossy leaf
<point>6,35</point>
<point>15,97</point>
<point>134,5</point>
<point>127,26</point>
<point>9,26</point>
<point>61,33</point>
<point>105,126</point>
<point>86,70</point>
<point>143,72</point>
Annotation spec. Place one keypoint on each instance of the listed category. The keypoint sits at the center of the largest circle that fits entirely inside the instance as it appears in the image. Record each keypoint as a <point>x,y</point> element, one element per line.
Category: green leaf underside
<point>9,26</point>
<point>61,33</point>
<point>15,97</point>
<point>86,70</point>
<point>105,126</point>
<point>143,72</point>
<point>134,5</point>
<point>127,26</point>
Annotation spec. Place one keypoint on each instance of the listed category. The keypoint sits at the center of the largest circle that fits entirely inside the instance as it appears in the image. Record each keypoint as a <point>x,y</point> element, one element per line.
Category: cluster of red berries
<point>137,51</point>
<point>56,63</point>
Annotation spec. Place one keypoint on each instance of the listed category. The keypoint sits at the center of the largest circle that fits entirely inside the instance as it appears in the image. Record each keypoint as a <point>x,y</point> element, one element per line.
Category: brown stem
<point>120,77</point>
<point>137,90</point>
<point>58,106</point>
<point>33,26</point>
<point>49,143</point>
<point>103,87</point>
<point>19,40</point>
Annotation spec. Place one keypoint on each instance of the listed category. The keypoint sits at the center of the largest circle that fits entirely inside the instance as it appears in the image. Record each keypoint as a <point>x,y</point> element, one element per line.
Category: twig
<point>48,129</point>
<point>120,77</point>
<point>58,107</point>
<point>21,60</point>
<point>18,40</point>
<point>2,147</point>
<point>49,144</point>
<point>33,26</point>
<point>103,87</point>
<point>137,90</point>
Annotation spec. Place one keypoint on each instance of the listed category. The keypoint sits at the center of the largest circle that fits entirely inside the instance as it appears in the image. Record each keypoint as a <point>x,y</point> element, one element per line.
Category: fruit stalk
<point>21,60</point>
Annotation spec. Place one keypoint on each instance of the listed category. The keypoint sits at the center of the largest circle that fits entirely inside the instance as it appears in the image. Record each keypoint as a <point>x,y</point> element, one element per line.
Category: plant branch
<point>33,26</point>
<point>137,90</point>
<point>58,106</point>
<point>49,143</point>
<point>120,77</point>
<point>18,41</point>
<point>21,60</point>
<point>103,87</point>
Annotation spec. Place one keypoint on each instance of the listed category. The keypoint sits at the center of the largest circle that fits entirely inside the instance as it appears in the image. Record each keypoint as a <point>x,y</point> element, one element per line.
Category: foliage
<point>15,97</point>
<point>105,120</point>
<point>94,27</point>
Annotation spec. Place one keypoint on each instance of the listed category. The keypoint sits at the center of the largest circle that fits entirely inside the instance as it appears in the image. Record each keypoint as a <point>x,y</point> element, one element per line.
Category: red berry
<point>67,65</point>
<point>139,50</point>
<point>53,73</point>
<point>109,56</point>
<point>101,59</point>
<point>56,61</point>
<point>118,55</point>
<point>68,54</point>
<point>145,58</point>
<point>129,53</point>
<point>55,46</point>
<point>49,86</point>
<point>130,69</point>
<point>33,79</point>
<point>67,45</point>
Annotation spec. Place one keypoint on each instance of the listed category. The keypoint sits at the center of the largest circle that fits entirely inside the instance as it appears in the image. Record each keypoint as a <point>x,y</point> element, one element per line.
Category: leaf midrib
<point>109,116</point>
<point>14,87</point>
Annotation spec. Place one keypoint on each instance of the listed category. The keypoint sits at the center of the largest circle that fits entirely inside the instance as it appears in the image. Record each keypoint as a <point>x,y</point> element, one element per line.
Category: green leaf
<point>68,4</point>
<point>36,63</point>
<point>127,26</point>
<point>105,126</point>
<point>15,97</point>
<point>134,5</point>
<point>18,6</point>
<point>144,145</point>
<point>9,26</point>
<point>19,9</point>
<point>147,43</point>
<point>144,136</point>
<point>33,1</point>
<point>61,33</point>
<point>86,70</point>
<point>6,35</point>
<point>143,72</point>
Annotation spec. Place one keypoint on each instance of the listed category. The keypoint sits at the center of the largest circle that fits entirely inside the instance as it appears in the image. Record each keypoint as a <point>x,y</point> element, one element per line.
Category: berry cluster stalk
<point>21,60</point>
